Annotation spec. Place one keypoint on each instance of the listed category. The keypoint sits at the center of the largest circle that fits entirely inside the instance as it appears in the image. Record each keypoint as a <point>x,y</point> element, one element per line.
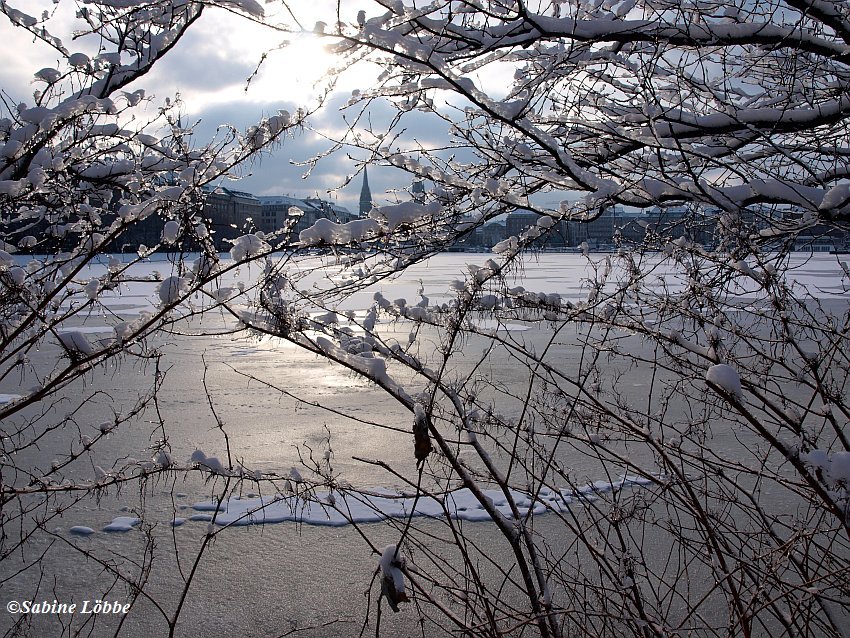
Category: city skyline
<point>234,71</point>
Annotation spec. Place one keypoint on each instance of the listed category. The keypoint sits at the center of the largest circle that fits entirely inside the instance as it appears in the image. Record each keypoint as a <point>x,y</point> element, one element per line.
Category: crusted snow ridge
<point>347,507</point>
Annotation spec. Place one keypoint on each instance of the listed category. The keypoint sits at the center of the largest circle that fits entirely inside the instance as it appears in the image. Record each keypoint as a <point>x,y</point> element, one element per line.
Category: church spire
<point>365,195</point>
<point>417,190</point>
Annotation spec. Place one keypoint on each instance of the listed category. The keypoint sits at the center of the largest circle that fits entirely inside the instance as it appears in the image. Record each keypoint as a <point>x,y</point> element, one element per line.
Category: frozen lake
<point>260,580</point>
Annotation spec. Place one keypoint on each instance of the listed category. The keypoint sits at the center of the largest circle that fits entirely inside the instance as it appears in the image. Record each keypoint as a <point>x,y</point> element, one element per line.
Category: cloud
<point>210,67</point>
<point>282,172</point>
<point>23,56</point>
<point>200,65</point>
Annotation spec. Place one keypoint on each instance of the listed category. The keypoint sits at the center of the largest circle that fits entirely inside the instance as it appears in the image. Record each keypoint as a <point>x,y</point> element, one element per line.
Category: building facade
<point>230,214</point>
<point>283,212</point>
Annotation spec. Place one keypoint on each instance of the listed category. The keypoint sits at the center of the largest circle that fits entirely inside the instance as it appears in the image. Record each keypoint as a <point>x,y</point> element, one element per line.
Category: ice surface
<point>561,274</point>
<point>81,530</point>
<point>87,329</point>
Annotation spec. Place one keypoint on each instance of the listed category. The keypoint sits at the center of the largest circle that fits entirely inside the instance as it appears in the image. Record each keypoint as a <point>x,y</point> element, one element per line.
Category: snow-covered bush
<point>694,362</point>
<point>91,165</point>
<point>661,449</point>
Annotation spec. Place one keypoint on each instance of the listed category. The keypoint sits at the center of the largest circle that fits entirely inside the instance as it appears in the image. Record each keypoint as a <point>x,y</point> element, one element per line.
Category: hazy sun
<point>298,69</point>
<point>290,71</point>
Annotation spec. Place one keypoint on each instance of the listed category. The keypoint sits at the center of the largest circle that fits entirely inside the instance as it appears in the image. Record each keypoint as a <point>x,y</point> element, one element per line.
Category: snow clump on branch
<point>248,246</point>
<point>726,378</point>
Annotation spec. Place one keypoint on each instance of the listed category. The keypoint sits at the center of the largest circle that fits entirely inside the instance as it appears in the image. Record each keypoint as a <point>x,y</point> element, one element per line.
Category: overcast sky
<point>210,68</point>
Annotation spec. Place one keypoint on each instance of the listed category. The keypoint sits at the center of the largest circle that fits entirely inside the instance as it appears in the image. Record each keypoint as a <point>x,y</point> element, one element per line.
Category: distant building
<point>558,236</point>
<point>492,234</point>
<point>578,233</point>
<point>661,224</point>
<point>365,195</point>
<point>635,226</point>
<point>417,190</point>
<point>658,225</point>
<point>226,212</point>
<point>602,229</point>
<point>332,210</point>
<point>816,237</point>
<point>518,221</point>
<point>229,213</point>
<point>278,212</point>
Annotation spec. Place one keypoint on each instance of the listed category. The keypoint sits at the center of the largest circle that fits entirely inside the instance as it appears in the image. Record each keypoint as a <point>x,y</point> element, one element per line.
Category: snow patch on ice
<point>347,507</point>
<point>492,324</point>
<point>86,329</point>
<point>122,524</point>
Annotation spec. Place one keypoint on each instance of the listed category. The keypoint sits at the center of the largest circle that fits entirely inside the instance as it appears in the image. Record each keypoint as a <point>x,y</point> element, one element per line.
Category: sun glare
<point>291,73</point>
<point>297,71</point>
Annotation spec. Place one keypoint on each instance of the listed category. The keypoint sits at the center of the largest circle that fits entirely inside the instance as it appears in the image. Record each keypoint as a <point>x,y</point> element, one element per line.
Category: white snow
<point>171,289</point>
<point>170,232</point>
<point>835,467</point>
<point>390,558</point>
<point>816,459</point>
<point>18,275</point>
<point>122,524</point>
<point>75,341</point>
<point>163,458</point>
<point>726,378</point>
<point>248,246</point>
<point>404,213</point>
<point>839,468</point>
<point>92,288</point>
<point>836,197</point>
<point>509,245</point>
<point>78,59</point>
<point>324,231</point>
<point>376,505</point>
